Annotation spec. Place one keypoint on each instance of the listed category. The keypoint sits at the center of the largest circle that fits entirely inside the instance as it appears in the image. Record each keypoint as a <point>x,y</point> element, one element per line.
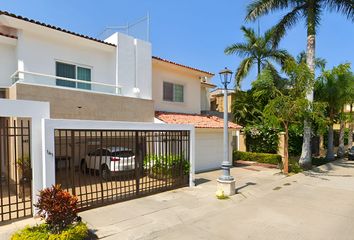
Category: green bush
<point>295,140</point>
<point>294,166</point>
<point>257,157</point>
<point>261,139</point>
<point>77,231</point>
<point>166,165</point>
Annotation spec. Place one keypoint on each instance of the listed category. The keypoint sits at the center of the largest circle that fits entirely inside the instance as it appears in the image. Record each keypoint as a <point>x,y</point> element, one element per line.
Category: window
<point>74,72</point>
<point>172,92</point>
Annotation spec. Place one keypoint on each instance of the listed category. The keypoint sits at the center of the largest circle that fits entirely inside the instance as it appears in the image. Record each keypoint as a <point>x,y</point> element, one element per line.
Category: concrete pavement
<point>318,204</point>
<point>315,205</point>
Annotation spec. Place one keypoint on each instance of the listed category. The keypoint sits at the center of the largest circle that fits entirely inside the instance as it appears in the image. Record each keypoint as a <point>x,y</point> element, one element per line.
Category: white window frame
<point>76,66</point>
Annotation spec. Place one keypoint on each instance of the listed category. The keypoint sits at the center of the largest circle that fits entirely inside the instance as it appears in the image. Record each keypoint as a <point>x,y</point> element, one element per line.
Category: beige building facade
<point>217,100</point>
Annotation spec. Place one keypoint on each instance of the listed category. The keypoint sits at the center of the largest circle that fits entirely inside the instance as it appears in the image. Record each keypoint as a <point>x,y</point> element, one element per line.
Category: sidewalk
<point>312,205</point>
<point>144,216</point>
<point>315,205</point>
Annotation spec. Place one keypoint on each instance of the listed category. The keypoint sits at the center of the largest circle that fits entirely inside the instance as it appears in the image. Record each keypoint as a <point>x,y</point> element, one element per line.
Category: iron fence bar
<point>137,163</point>
<point>23,162</point>
<point>72,163</point>
<point>67,160</point>
<point>80,170</point>
<point>15,169</point>
<point>30,160</point>
<point>2,156</point>
<point>100,166</point>
<point>8,166</point>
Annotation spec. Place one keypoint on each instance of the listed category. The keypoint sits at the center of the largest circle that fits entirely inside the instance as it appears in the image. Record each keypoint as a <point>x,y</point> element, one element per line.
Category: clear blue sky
<point>191,32</point>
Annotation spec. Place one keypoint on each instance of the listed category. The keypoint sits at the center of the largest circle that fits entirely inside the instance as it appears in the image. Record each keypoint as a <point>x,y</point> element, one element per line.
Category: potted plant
<point>25,169</point>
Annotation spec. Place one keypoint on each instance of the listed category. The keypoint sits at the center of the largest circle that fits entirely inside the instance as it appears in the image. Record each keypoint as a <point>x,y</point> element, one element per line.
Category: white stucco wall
<point>205,99</point>
<point>133,69</point>
<point>39,54</point>
<point>39,47</point>
<point>8,63</point>
<point>163,72</point>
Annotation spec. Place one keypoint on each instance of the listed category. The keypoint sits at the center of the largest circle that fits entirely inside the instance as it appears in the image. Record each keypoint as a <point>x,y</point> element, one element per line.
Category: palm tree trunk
<point>305,159</point>
<point>330,151</point>
<point>351,128</point>
<point>341,147</point>
<point>259,67</point>
<point>286,150</point>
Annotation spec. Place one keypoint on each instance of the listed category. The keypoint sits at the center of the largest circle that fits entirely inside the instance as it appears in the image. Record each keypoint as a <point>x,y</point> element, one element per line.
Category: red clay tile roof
<point>199,121</point>
<point>6,35</point>
<point>181,65</point>
<point>53,27</point>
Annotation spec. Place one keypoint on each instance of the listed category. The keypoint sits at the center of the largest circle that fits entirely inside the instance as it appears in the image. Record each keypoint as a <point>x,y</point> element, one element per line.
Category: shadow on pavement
<point>199,181</point>
<point>244,186</point>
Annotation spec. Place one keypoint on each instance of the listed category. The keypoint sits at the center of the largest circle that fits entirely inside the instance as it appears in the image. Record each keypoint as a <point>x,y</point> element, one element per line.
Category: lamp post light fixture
<point>226,182</point>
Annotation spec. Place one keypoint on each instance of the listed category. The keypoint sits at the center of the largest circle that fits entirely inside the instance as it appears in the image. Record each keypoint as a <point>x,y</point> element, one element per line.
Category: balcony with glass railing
<point>63,82</point>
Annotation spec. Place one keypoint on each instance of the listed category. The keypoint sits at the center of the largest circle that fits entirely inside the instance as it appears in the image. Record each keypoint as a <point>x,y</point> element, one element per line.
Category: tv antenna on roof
<point>130,29</point>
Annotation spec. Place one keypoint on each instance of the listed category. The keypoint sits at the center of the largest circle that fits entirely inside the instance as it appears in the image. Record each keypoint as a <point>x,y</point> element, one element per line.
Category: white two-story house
<point>115,79</point>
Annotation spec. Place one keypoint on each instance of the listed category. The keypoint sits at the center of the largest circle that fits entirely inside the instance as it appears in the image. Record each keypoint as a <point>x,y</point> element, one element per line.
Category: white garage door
<point>209,149</point>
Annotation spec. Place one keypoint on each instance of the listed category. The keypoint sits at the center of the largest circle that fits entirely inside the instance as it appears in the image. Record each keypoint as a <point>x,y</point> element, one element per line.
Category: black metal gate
<point>106,166</point>
<point>15,169</point>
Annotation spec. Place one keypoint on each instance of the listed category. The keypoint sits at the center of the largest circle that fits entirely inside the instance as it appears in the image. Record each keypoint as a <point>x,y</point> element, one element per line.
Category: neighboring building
<point>348,108</point>
<point>117,79</point>
<point>217,100</point>
<point>181,94</point>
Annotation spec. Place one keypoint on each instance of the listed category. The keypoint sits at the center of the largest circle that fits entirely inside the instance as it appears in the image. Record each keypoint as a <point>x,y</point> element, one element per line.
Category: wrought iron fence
<point>15,169</point>
<point>106,166</point>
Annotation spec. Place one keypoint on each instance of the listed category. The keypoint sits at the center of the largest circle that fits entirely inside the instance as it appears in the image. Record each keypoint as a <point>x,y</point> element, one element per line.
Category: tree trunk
<point>305,159</point>
<point>351,128</point>
<point>258,67</point>
<point>286,150</point>
<point>330,150</point>
<point>341,147</point>
<point>321,145</point>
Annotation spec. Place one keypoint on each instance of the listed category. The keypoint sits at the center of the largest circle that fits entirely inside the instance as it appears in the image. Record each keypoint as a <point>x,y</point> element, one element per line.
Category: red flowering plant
<point>57,207</point>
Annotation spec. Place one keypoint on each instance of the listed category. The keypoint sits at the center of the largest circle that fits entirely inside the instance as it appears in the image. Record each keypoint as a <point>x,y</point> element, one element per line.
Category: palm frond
<point>249,34</point>
<point>243,70</point>
<point>287,22</point>
<point>346,7</point>
<point>259,8</point>
<point>240,49</point>
<point>320,63</point>
<point>280,56</point>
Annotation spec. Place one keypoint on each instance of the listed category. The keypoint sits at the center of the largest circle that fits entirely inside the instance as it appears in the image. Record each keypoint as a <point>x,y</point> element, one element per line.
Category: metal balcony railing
<point>62,82</point>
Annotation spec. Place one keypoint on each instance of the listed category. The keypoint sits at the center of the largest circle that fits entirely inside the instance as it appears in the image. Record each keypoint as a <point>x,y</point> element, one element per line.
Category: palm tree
<point>311,11</point>
<point>256,50</point>
<point>320,63</point>
<point>351,126</point>
<point>330,89</point>
<point>347,96</point>
<point>245,109</point>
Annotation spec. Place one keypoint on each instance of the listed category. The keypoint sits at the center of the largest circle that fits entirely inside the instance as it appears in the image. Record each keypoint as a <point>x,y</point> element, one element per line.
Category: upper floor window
<point>172,92</point>
<point>73,71</point>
